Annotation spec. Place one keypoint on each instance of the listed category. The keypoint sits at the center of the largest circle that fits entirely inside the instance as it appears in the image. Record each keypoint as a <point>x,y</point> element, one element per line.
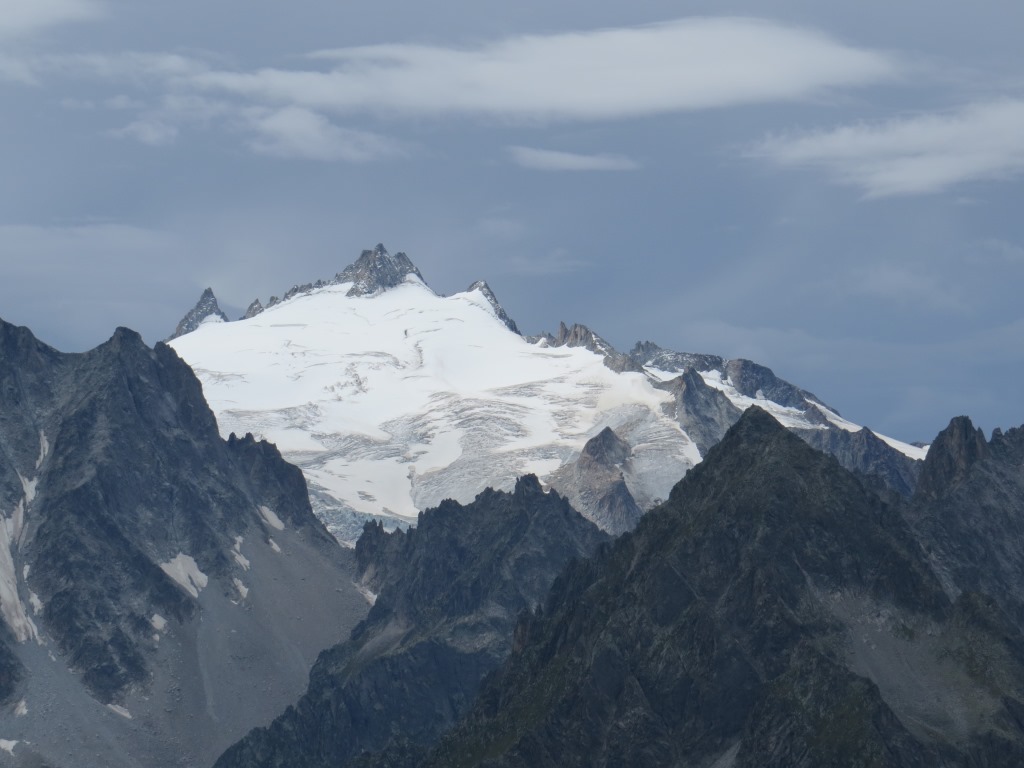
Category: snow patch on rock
<point>11,607</point>
<point>44,449</point>
<point>236,553</point>
<point>183,569</point>
<point>270,518</point>
<point>118,709</point>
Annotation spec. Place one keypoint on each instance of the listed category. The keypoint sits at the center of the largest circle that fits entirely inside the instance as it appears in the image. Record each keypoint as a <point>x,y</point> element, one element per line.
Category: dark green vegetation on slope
<point>774,612</point>
<point>449,593</point>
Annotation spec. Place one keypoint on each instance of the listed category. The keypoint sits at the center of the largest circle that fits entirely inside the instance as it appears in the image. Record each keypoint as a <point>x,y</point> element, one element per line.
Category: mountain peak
<point>377,270</point>
<point>205,308</point>
<point>485,289</point>
<point>607,447</point>
<point>956,449</point>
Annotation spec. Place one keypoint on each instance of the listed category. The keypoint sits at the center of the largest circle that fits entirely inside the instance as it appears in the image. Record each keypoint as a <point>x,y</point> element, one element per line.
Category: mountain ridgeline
<point>448,594</point>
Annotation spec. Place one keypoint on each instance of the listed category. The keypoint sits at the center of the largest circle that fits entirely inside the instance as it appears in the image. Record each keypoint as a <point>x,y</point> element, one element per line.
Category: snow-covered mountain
<point>392,398</point>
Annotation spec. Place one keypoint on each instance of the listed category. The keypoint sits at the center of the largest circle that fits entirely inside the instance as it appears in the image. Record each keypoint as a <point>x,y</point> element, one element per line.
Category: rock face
<point>969,513</point>
<point>448,594</point>
<point>148,568</point>
<point>595,482</point>
<point>204,309</point>
<point>956,451</point>
<point>705,414</point>
<point>773,612</point>
<point>255,308</point>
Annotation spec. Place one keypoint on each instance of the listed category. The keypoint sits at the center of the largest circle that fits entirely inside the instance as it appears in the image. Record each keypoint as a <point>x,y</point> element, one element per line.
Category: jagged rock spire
<point>581,336</point>
<point>204,308</point>
<point>254,309</point>
<point>376,271</point>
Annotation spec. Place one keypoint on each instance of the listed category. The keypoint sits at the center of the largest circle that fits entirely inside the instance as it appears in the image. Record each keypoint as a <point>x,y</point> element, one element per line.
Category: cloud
<point>549,160</point>
<point>689,64</point>
<point>16,70</point>
<point>298,132</point>
<point>135,67</point>
<point>152,132</point>
<point>921,154</point>
<point>22,17</point>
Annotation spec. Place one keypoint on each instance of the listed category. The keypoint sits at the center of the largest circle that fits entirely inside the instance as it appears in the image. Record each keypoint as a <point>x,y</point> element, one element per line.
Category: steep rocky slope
<point>773,612</point>
<point>969,513</point>
<point>156,581</point>
<point>447,596</point>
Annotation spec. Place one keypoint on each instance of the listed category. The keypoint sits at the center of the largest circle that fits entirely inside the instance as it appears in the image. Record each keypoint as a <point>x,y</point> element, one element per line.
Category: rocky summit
<point>158,583</point>
<point>205,310</point>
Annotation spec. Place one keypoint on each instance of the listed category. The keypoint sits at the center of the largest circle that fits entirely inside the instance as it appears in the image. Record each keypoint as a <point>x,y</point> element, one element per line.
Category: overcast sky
<point>834,192</point>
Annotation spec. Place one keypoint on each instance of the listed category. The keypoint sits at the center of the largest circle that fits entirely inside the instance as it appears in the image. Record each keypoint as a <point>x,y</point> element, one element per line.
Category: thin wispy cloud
<point>597,75</point>
<point>550,160</point>
<point>921,154</point>
<point>155,133</point>
<point>23,17</point>
<point>139,68</point>
<point>690,64</point>
<point>297,132</point>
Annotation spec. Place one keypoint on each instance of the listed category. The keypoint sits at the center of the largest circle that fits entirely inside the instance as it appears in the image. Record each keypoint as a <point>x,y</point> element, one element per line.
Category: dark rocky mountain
<point>969,513</point>
<point>705,413</point>
<point>448,594</point>
<point>485,289</point>
<point>596,482</point>
<point>206,307</point>
<point>773,612</point>
<point>156,582</point>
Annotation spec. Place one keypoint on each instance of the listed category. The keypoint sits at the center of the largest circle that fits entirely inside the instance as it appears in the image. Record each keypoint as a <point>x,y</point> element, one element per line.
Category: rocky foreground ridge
<point>156,581</point>
<point>774,611</point>
<point>447,595</point>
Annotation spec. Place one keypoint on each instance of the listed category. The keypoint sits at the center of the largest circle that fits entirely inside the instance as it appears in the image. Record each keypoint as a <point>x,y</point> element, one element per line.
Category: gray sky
<point>833,192</point>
